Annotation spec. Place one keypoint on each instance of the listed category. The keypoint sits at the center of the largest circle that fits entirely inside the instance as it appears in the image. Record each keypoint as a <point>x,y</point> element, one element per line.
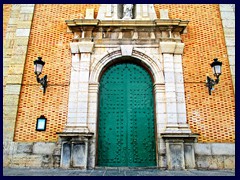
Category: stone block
<point>175,153</point>
<point>7,53</point>
<point>227,7</point>
<point>232,70</point>
<point>56,161</point>
<point>126,50</point>
<point>43,148</point>
<point>9,147</point>
<point>216,162</point>
<point>89,14</point>
<point>27,9</point>
<point>24,25</point>
<point>13,21</point>
<point>229,162</point>
<point>85,47</point>
<point>203,162</point>
<point>167,47</point>
<point>171,108</point>
<point>170,78</point>
<point>21,160</point>
<point>229,32</point>
<point>179,77</point>
<point>231,51</point>
<point>16,69</point>
<point>79,155</point>
<point>230,41</point>
<point>228,15</point>
<point>21,41</point>
<point>47,161</point>
<point>189,156</point>
<point>10,100</point>
<point>182,117</point>
<point>20,50</point>
<point>10,111</point>
<point>180,88</point>
<point>231,60</point>
<point>202,149</point>
<point>24,148</point>
<point>179,48</point>
<point>19,59</point>
<point>228,23</point>
<point>8,43</point>
<point>168,67</point>
<point>164,14</point>
<point>223,149</point>
<point>22,32</point>
<point>74,47</point>
<point>25,17</point>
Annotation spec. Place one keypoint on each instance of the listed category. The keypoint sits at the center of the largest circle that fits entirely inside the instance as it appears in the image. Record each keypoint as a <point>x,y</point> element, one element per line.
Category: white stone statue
<point>127,11</point>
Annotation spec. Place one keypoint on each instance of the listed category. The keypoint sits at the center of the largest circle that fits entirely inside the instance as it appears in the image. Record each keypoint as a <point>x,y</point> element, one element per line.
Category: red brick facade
<point>213,117</point>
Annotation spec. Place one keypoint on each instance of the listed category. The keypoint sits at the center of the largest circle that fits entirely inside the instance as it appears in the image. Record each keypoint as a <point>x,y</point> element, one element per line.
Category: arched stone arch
<point>153,66</point>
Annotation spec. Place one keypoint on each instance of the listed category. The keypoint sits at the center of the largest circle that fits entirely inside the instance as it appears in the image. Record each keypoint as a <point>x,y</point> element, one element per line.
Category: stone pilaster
<point>228,21</point>
<point>14,55</point>
<point>78,96</point>
<point>174,88</point>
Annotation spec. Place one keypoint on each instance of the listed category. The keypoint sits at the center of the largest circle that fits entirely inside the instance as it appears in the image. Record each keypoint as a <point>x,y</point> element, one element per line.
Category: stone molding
<point>97,66</point>
<point>171,47</point>
<point>126,50</point>
<point>81,47</point>
<point>215,149</point>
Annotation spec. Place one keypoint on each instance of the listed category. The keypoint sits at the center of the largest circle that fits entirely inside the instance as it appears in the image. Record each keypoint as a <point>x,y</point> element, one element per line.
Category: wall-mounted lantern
<point>41,123</point>
<point>217,71</point>
<point>38,66</point>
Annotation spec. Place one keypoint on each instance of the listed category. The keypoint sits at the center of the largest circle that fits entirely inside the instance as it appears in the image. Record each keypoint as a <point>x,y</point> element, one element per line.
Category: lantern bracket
<point>43,81</point>
<point>38,66</point>
<point>210,83</point>
<point>217,70</point>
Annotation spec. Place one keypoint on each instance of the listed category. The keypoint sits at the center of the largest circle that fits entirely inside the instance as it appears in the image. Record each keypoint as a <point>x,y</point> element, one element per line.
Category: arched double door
<point>126,133</point>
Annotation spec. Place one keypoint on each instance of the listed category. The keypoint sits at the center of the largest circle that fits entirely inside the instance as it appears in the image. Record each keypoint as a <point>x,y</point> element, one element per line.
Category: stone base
<point>180,150</point>
<point>74,149</point>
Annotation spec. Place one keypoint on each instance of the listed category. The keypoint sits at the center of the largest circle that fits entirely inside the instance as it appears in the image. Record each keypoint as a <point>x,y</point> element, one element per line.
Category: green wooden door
<point>126,135</point>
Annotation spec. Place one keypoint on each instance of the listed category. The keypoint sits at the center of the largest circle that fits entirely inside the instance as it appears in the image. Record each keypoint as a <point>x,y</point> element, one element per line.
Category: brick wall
<point>211,116</point>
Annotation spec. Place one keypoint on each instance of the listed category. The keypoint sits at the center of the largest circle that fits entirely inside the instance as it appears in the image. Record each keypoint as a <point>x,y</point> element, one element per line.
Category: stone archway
<point>153,66</point>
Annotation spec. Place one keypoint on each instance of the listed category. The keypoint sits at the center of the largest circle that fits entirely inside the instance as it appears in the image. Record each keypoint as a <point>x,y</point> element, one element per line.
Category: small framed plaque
<point>41,123</point>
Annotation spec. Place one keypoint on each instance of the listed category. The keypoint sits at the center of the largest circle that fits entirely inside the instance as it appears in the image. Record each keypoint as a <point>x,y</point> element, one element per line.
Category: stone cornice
<point>82,22</point>
<point>176,25</point>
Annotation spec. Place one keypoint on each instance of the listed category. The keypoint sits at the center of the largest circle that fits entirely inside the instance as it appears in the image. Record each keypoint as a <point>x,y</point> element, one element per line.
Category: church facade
<point>126,86</point>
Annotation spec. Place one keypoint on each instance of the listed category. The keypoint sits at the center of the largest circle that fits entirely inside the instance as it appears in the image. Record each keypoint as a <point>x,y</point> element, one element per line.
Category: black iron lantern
<point>38,67</point>
<point>216,67</point>
<point>217,71</point>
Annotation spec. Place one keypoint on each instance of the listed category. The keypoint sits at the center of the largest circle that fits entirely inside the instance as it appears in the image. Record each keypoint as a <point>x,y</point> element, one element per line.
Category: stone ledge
<point>215,162</point>
<point>214,149</point>
<point>43,148</point>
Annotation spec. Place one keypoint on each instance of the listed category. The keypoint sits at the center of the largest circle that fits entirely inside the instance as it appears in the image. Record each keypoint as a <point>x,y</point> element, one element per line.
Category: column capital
<point>85,47</point>
<point>171,47</point>
<point>81,47</point>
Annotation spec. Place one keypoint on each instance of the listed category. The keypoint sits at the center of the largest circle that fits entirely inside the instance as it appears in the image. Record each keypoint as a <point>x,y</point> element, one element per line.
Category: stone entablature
<point>154,31</point>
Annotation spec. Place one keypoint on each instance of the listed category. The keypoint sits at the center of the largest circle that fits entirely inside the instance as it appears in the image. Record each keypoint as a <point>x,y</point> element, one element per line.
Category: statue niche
<point>126,11</point>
